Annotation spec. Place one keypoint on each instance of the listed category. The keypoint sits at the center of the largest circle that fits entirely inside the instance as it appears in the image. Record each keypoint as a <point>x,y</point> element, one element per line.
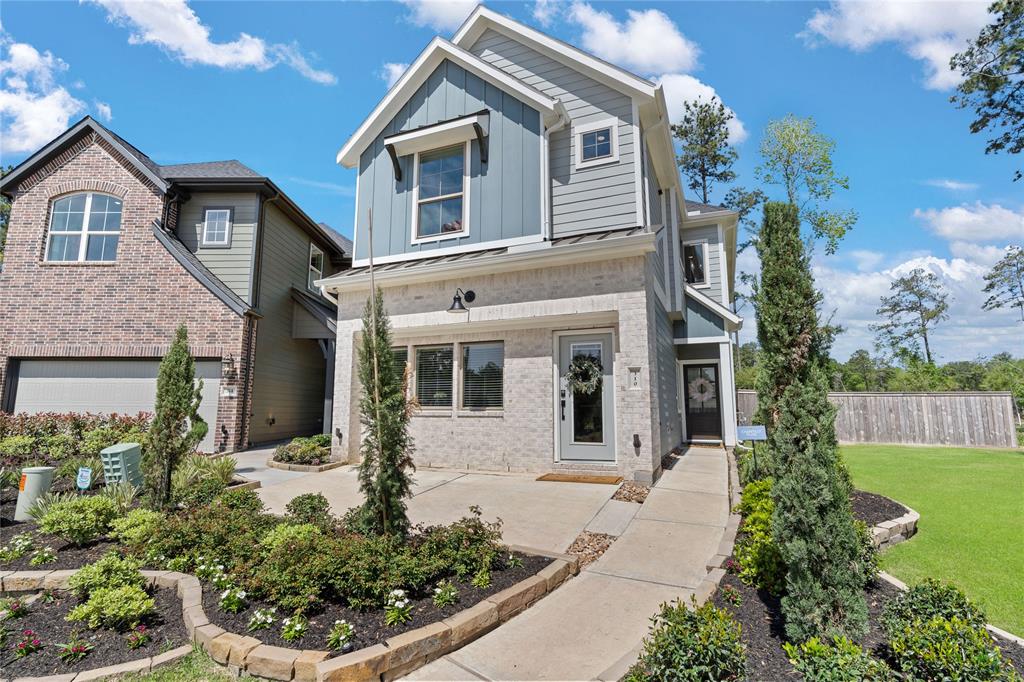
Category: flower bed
<point>312,451</point>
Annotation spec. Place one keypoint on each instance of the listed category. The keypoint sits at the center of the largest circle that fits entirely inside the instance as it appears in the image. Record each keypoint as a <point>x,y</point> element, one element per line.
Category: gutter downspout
<point>563,120</point>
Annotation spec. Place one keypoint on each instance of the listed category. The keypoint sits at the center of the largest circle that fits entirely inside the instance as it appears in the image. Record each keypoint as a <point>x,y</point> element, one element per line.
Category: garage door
<point>105,386</point>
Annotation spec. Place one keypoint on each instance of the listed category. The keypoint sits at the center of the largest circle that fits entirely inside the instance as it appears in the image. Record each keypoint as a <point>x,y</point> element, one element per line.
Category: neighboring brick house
<point>108,252</point>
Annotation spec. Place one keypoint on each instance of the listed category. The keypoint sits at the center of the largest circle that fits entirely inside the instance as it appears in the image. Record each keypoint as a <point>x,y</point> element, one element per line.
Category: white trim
<point>310,285</point>
<point>442,236</point>
<point>578,130</point>
<point>436,51</point>
<point>447,134</point>
<point>85,233</point>
<point>355,220</point>
<point>706,284</point>
<point>638,183</point>
<point>646,169</point>
<point>555,387</point>
<point>226,242</point>
<point>723,268</point>
<point>678,265</point>
<point>727,393</point>
<point>702,339</point>
<point>716,307</point>
<point>447,251</point>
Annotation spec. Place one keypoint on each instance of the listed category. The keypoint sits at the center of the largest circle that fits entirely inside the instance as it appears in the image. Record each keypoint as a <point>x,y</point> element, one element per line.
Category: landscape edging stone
<point>304,468</point>
<point>888,533</point>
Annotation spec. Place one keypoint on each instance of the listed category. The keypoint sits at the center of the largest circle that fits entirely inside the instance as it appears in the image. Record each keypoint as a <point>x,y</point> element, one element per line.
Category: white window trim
<point>226,243</point>
<point>464,232</point>
<point>577,139</point>
<point>313,248</point>
<point>84,233</point>
<point>462,377</point>
<point>706,284</point>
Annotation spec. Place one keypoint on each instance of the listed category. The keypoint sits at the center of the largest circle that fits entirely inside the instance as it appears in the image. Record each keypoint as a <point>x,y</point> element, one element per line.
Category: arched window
<point>84,227</point>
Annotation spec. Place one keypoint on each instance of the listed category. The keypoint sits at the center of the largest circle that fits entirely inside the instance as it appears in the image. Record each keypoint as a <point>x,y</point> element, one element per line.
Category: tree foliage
<point>917,304</point>
<point>385,472</point>
<point>1005,282</point>
<point>993,70</point>
<point>707,157</point>
<point>177,427</point>
<point>799,158</point>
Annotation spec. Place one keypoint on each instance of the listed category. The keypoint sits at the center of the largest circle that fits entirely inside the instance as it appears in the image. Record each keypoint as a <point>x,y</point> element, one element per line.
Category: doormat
<point>581,478</point>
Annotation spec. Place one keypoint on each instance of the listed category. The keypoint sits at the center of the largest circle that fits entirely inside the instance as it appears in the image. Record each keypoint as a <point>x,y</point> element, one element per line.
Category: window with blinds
<point>400,355</point>
<point>483,371</point>
<point>434,376</point>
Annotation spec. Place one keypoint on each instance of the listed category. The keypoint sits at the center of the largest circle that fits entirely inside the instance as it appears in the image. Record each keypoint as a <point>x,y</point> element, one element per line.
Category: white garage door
<point>105,386</point>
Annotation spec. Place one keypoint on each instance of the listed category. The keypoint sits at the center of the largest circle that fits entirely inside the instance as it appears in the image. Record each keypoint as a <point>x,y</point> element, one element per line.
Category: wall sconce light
<point>457,306</point>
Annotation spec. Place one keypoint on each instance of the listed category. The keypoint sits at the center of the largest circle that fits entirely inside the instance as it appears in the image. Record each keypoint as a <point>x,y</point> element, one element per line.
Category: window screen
<point>434,376</point>
<point>483,370</point>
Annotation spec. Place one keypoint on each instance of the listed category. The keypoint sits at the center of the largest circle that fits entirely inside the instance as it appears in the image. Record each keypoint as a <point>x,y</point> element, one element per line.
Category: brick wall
<point>126,308</point>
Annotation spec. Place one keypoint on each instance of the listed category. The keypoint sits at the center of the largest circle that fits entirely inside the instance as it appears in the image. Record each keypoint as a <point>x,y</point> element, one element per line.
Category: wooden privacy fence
<point>975,419</point>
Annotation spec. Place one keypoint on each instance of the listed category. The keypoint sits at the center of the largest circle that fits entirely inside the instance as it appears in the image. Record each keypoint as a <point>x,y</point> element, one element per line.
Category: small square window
<point>597,144</point>
<point>217,227</point>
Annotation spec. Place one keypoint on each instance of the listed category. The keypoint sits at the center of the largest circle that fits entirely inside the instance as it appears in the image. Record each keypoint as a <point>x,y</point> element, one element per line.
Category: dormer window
<point>84,227</point>
<point>695,258</point>
<point>217,227</point>
<point>596,143</point>
<point>441,200</point>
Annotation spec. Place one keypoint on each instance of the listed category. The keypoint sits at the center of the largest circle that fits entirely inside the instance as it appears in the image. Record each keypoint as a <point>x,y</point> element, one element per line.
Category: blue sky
<point>280,86</point>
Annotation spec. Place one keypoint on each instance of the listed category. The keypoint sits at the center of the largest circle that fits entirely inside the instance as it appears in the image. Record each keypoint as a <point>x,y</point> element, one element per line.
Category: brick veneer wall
<point>128,308</point>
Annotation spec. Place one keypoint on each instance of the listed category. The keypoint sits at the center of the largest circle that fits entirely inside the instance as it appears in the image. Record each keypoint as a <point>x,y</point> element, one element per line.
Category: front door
<point>703,402</point>
<point>584,419</point>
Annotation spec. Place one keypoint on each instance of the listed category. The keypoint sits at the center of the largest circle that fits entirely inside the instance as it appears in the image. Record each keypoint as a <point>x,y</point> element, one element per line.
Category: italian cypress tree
<point>385,471</point>
<point>812,521</point>
<point>177,427</point>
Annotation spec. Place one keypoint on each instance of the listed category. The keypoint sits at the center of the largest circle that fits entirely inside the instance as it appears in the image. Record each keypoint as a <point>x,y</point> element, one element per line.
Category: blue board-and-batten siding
<point>700,323</point>
<point>504,194</point>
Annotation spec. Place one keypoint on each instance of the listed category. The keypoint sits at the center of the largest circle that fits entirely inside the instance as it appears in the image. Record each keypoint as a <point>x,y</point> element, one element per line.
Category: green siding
<point>233,264</point>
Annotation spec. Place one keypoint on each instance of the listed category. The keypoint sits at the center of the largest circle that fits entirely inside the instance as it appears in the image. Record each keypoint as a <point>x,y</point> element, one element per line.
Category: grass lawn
<point>971,531</point>
<point>196,667</point>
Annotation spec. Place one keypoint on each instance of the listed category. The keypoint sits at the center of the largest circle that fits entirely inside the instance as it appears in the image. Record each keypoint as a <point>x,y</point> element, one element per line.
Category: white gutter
<point>563,120</point>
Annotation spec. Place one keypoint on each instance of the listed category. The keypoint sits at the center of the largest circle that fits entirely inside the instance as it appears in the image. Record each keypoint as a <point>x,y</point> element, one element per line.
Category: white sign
<point>84,478</point>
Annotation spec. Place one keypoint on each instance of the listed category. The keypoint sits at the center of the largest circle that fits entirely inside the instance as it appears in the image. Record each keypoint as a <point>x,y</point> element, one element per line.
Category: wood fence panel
<point>972,419</point>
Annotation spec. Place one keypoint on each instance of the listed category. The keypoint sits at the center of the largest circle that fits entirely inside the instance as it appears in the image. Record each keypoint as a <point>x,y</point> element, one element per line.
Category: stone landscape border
<point>889,533</point>
<point>306,468</point>
<point>397,656</point>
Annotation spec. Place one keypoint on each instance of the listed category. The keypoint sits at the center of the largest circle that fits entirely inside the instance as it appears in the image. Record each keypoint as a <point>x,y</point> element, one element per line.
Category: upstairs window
<point>434,376</point>
<point>597,143</point>
<point>441,193</point>
<point>217,227</point>
<point>84,227</point>
<point>483,372</point>
<point>695,258</point>
<point>316,266</point>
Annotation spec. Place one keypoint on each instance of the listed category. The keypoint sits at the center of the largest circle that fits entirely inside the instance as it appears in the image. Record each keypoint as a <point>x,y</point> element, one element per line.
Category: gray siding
<point>714,264</point>
<point>656,216</point>
<point>591,198</point>
<point>700,322</point>
<point>232,265</point>
<point>698,351</point>
<point>504,194</point>
<point>288,383</point>
<point>668,394</point>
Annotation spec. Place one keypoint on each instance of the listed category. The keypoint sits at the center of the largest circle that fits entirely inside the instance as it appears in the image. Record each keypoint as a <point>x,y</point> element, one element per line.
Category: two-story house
<point>543,180</point>
<point>108,252</point>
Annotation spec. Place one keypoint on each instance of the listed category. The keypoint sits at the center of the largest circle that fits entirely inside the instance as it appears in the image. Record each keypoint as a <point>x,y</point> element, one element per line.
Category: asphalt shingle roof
<point>209,169</point>
<point>340,240</point>
<point>697,207</point>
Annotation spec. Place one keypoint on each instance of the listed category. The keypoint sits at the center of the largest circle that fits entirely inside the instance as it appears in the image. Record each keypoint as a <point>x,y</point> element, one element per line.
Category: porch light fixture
<point>457,306</point>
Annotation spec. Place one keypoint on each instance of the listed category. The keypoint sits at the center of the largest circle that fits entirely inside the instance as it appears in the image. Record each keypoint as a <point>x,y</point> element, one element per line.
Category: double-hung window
<point>695,258</point>
<point>434,366</point>
<point>316,266</point>
<point>440,193</point>
<point>483,373</point>
<point>217,227</point>
<point>84,227</point>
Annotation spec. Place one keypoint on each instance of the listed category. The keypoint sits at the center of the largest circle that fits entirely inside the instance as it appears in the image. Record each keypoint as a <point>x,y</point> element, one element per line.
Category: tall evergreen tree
<point>707,157</point>
<point>385,471</point>
<point>177,427</point>
<point>812,521</point>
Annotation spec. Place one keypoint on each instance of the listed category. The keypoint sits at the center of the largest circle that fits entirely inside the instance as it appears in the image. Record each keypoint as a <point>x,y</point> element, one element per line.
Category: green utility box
<point>122,463</point>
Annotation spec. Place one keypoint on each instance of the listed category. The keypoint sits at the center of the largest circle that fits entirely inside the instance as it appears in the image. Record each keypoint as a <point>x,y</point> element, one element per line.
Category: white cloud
<point>328,187</point>
<point>952,185</point>
<point>545,11</point>
<point>867,260</point>
<point>391,72</point>
<point>927,31</point>
<point>34,109</point>
<point>975,222</point>
<point>440,15</point>
<point>681,87</point>
<point>104,111</point>
<point>174,27</point>
<point>647,42</point>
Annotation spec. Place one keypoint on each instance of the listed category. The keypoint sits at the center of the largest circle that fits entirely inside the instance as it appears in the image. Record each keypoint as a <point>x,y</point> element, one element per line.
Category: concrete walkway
<point>591,627</point>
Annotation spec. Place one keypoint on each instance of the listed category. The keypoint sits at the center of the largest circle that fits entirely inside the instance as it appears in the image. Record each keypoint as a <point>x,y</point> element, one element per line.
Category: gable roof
<point>437,51</point>
<point>209,169</point>
<point>343,243</point>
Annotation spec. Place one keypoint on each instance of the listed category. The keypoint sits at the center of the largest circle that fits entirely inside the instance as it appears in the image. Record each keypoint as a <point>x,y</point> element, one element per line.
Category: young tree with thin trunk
<point>177,427</point>
<point>918,303</point>
<point>1005,282</point>
<point>707,157</point>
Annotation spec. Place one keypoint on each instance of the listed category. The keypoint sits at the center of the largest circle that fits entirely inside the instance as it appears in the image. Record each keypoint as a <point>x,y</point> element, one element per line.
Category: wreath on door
<point>585,375</point>
<point>701,390</point>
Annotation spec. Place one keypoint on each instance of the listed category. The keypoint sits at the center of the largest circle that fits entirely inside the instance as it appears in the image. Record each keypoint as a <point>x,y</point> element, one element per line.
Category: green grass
<point>196,667</point>
<point>971,531</point>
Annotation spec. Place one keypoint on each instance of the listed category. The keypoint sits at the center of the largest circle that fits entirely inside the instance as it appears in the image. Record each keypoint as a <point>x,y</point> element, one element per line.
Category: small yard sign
<point>84,478</point>
<point>755,433</point>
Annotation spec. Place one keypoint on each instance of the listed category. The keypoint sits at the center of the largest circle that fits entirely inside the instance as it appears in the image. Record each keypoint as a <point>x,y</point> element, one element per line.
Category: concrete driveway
<point>539,514</point>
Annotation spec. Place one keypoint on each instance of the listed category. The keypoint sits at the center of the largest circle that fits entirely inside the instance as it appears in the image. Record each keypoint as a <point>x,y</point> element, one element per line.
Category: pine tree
<point>177,427</point>
<point>812,521</point>
<point>385,471</point>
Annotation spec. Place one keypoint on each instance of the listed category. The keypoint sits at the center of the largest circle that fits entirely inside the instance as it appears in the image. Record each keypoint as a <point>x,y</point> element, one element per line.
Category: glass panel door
<point>703,412</point>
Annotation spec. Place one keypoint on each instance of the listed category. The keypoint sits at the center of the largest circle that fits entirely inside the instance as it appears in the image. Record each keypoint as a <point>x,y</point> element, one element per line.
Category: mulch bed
<point>873,509</point>
<point>369,625</point>
<point>590,546</point>
<point>166,628</point>
<point>68,555</point>
<point>631,491</point>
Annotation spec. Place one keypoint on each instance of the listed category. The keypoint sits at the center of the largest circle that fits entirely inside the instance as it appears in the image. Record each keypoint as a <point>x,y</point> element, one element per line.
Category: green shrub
<point>135,529</point>
<point>756,551</point>
<point>321,439</point>
<point>368,568</point>
<point>286,533</point>
<point>112,570</point>
<point>311,508</point>
<point>196,468</point>
<point>60,446</point>
<point>699,645</point>
<point>80,520</point>
<point>8,478</point>
<point>121,494</point>
<point>307,451</point>
<point>949,649</point>
<point>466,547</point>
<point>837,661</point>
<point>68,469</point>
<point>98,439</point>
<point>198,494</point>
<point>925,601</point>
<point>19,448</point>
<point>296,568</point>
<point>118,608</point>
<point>41,507</point>
<point>868,551</point>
